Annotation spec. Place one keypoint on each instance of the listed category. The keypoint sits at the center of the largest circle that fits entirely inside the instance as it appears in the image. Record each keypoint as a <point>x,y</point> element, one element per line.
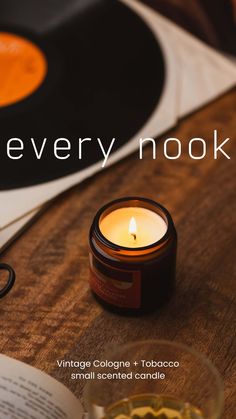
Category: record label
<point>23,67</point>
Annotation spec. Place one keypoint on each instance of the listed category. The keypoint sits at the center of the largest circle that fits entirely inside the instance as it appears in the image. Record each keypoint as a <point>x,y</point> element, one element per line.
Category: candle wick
<point>134,236</point>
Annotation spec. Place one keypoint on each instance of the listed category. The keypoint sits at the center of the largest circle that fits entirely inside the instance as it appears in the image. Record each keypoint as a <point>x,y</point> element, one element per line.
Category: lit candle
<point>132,255</point>
<point>133,227</point>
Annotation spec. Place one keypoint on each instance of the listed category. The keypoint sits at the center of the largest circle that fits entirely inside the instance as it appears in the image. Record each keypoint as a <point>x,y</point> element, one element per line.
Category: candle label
<point>121,288</point>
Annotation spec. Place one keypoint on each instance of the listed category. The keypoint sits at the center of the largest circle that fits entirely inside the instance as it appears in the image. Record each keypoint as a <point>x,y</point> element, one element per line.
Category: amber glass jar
<point>132,280</point>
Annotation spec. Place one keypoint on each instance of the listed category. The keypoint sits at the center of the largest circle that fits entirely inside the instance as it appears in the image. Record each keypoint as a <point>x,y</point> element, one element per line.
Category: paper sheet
<point>12,231</point>
<point>27,393</point>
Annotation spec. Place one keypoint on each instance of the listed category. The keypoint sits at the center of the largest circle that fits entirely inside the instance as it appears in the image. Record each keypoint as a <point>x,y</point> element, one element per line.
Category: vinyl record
<point>97,72</point>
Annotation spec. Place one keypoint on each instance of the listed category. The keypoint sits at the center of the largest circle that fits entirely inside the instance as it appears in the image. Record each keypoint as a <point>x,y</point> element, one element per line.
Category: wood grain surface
<point>50,314</point>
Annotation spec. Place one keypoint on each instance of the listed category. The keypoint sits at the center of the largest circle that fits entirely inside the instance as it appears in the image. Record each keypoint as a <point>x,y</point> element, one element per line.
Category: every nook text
<point>63,148</point>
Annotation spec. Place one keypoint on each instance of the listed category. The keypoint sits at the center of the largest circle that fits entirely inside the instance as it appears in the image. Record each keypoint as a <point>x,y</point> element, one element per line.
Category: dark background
<point>211,20</point>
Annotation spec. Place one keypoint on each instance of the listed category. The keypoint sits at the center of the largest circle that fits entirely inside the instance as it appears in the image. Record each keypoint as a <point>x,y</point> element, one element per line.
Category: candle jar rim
<point>132,202</point>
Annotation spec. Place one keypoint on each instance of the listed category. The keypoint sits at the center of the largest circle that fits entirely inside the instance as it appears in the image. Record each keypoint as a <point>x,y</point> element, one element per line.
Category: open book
<point>27,393</point>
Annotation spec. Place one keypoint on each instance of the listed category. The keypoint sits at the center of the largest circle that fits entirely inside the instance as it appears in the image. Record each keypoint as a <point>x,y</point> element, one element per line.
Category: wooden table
<point>50,314</point>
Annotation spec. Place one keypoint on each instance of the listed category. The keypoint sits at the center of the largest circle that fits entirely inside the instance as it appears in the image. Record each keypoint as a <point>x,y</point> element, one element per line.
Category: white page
<point>27,393</point>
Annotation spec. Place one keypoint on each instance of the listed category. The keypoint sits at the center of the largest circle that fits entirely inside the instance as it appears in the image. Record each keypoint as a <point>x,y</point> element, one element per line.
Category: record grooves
<point>104,78</point>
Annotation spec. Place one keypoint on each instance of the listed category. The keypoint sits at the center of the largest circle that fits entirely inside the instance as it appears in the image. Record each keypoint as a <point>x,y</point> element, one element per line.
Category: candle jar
<point>133,274</point>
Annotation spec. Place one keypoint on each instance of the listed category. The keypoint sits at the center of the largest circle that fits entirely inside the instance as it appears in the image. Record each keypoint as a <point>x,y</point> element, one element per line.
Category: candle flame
<point>133,228</point>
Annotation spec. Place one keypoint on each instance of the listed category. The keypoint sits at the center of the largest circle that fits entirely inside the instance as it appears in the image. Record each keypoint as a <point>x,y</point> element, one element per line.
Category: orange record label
<point>23,67</point>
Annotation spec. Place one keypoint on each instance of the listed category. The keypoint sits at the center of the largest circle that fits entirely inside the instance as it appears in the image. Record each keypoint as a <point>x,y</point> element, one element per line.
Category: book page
<point>28,393</point>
